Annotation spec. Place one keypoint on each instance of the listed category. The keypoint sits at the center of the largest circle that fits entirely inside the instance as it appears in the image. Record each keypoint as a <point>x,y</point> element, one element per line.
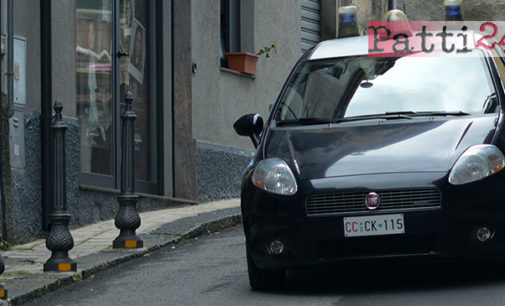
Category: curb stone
<point>62,280</point>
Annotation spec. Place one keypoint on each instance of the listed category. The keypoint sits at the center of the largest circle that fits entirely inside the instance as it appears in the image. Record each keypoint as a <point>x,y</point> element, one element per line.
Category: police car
<point>376,157</point>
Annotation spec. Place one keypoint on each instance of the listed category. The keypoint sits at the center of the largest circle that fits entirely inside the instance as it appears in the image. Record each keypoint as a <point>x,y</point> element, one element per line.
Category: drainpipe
<point>45,107</point>
<point>10,58</point>
<point>10,75</point>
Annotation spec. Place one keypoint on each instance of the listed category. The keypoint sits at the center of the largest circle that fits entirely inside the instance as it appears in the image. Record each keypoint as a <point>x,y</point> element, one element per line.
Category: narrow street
<point>212,271</point>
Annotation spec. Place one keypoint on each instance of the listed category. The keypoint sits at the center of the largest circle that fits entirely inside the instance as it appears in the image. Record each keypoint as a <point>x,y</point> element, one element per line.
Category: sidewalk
<point>23,276</point>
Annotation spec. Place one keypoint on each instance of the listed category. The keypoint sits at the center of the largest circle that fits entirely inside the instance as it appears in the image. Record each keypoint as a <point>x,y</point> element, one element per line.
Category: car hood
<point>417,145</point>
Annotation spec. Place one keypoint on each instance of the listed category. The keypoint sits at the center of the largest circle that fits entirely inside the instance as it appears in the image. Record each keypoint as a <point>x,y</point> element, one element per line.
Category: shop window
<point>114,42</point>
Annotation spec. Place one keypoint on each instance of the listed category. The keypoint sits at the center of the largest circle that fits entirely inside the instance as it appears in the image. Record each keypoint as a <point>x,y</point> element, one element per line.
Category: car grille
<point>370,246</point>
<point>344,202</point>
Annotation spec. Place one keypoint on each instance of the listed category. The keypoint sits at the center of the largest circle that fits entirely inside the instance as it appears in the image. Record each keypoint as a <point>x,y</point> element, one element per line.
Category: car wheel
<point>260,279</point>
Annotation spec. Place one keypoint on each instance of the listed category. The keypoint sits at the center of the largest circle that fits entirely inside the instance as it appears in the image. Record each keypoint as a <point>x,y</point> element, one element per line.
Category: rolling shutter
<point>311,23</point>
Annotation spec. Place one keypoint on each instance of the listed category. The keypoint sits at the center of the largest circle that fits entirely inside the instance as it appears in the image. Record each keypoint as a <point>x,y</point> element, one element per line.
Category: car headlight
<point>476,163</point>
<point>274,175</point>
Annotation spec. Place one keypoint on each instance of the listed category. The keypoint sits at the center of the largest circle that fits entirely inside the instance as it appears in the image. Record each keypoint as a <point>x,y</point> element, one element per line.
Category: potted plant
<point>245,62</point>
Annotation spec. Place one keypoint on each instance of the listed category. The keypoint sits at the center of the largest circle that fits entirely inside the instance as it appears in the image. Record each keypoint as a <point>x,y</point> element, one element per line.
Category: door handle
<point>121,54</point>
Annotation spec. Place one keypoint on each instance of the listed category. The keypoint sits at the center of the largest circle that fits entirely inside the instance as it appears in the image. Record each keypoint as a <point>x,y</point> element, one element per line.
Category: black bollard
<point>127,219</point>
<point>59,240</point>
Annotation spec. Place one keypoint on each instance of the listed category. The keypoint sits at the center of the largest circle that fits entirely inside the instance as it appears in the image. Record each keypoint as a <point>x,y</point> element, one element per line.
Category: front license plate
<point>374,225</point>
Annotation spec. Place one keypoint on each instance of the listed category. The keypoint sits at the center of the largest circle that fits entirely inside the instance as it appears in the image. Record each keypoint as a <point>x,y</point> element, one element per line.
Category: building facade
<point>170,54</point>
<point>89,54</point>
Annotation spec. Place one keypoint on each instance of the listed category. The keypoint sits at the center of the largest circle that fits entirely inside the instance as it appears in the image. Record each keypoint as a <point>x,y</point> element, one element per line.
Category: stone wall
<point>220,170</point>
<point>85,206</point>
<point>25,209</point>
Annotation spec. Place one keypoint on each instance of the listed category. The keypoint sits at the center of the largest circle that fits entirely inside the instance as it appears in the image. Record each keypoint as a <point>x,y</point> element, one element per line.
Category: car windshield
<point>362,87</point>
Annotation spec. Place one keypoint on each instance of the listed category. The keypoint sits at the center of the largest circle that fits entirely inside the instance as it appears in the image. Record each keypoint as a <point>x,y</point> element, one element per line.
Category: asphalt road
<point>212,271</point>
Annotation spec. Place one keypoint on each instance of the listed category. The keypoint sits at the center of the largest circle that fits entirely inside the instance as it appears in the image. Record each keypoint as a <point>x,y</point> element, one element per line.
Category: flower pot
<point>242,62</point>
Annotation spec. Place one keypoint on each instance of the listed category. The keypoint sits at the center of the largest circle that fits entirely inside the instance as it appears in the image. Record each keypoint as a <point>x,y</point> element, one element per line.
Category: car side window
<point>492,105</point>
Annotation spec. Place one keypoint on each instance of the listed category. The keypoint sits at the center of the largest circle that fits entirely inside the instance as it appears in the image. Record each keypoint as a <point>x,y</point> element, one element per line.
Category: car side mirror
<point>250,125</point>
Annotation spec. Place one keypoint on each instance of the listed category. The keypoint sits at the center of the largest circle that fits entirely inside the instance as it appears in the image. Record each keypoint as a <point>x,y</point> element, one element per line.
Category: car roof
<point>358,45</point>
<point>349,46</point>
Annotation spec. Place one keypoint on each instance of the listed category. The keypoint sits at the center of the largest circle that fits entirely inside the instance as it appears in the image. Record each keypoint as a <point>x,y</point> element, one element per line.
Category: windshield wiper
<point>437,113</point>
<point>385,116</point>
<point>372,117</point>
<point>314,121</point>
<point>400,115</point>
<point>305,121</point>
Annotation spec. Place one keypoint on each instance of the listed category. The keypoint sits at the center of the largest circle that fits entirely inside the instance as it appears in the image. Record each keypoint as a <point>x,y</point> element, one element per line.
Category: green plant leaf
<point>267,50</point>
<point>4,245</point>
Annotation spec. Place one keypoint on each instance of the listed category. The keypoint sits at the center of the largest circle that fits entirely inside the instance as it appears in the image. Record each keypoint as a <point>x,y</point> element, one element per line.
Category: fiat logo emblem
<point>372,201</point>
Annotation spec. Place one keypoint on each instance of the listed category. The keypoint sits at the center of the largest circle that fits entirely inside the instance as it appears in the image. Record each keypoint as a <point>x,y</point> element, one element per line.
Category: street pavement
<point>25,280</point>
<point>212,270</point>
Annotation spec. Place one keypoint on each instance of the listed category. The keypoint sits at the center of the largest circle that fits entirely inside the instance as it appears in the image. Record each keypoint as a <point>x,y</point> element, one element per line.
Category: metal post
<point>127,218</point>
<point>59,240</point>
<point>46,106</point>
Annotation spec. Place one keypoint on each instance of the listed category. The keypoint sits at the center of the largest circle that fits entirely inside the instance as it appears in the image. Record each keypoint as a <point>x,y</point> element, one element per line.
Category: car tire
<point>261,279</point>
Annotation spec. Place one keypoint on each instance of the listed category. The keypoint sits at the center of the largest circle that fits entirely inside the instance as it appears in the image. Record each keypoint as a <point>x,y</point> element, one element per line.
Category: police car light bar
<point>453,10</point>
<point>348,21</point>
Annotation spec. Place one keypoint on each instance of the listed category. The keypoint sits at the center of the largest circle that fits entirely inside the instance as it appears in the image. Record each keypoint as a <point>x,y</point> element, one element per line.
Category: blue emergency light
<point>348,25</point>
<point>348,17</point>
<point>453,10</point>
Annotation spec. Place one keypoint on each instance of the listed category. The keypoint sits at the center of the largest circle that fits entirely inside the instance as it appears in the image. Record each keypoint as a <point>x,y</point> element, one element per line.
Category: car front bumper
<point>447,231</point>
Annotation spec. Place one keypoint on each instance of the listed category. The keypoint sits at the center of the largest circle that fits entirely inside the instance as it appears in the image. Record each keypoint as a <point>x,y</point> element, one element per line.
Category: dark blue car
<point>374,158</point>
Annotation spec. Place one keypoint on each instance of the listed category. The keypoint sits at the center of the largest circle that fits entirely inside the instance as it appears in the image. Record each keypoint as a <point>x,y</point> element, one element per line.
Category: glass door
<point>134,68</point>
<point>114,46</point>
<point>94,61</point>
